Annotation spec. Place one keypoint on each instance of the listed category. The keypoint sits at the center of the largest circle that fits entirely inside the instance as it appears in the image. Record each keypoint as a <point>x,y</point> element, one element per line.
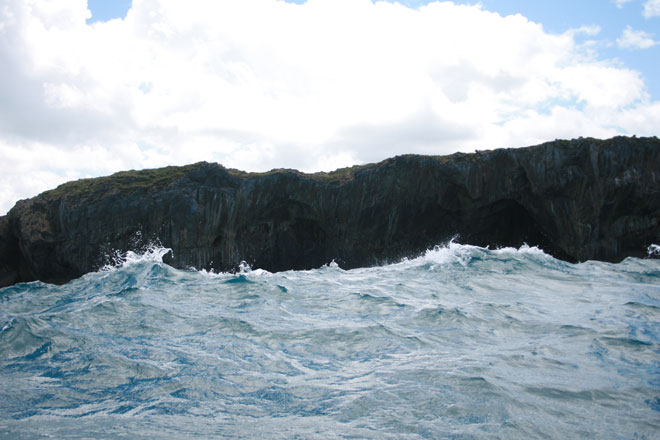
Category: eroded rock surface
<point>577,200</point>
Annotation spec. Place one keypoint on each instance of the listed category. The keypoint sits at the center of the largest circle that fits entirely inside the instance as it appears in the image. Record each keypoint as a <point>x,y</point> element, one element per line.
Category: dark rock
<point>577,200</point>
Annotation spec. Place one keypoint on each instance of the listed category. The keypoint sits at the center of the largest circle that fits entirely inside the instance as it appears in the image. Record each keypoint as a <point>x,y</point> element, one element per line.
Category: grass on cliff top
<point>341,174</point>
<point>129,181</point>
<point>123,181</point>
<point>126,182</point>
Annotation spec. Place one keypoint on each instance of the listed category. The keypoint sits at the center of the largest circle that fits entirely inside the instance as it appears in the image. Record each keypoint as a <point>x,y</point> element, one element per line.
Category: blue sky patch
<point>104,10</point>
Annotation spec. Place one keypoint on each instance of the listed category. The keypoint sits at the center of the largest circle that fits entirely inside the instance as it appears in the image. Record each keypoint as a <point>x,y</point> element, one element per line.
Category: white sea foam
<point>153,252</point>
<point>244,268</point>
<point>452,253</point>
<point>653,250</point>
<point>525,249</point>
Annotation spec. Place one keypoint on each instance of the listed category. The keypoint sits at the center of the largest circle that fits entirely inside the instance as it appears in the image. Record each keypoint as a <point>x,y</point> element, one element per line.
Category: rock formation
<point>578,200</point>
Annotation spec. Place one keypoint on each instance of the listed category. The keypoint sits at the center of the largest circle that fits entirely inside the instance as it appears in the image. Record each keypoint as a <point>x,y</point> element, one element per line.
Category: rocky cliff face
<point>578,200</point>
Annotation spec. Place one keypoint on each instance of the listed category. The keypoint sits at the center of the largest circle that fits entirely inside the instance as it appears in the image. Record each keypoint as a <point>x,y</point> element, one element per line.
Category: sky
<point>92,88</point>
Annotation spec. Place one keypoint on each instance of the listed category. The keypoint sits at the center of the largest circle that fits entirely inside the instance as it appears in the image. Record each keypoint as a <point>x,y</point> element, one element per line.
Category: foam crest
<point>462,254</point>
<point>244,269</point>
<point>152,253</point>
<point>332,265</point>
<point>525,249</point>
<point>653,250</point>
<point>442,255</point>
<point>450,253</point>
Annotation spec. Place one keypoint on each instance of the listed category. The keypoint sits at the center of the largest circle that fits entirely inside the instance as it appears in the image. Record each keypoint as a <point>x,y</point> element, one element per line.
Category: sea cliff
<point>578,200</point>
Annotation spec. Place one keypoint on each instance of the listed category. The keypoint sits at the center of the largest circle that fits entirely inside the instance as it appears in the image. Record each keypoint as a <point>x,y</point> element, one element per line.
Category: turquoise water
<point>462,342</point>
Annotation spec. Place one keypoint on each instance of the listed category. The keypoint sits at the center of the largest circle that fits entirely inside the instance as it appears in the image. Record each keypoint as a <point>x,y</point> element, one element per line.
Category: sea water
<point>461,342</point>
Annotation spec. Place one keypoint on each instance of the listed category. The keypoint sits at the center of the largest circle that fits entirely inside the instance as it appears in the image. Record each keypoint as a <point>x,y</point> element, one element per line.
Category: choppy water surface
<point>463,342</point>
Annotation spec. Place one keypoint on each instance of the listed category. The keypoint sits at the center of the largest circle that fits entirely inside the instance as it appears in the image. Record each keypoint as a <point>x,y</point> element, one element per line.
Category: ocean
<point>461,342</point>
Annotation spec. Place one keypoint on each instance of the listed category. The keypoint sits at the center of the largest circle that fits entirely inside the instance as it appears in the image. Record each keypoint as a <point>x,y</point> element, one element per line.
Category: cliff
<point>577,200</point>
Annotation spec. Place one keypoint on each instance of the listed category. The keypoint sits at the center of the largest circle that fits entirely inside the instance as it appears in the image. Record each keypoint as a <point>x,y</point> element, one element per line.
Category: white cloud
<point>590,30</point>
<point>620,3</point>
<point>632,39</point>
<point>260,84</point>
<point>652,8</point>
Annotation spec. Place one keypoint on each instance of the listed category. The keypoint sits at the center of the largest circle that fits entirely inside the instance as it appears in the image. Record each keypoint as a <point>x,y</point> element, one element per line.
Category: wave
<point>463,256</point>
<point>148,261</point>
<point>482,339</point>
<point>152,253</point>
